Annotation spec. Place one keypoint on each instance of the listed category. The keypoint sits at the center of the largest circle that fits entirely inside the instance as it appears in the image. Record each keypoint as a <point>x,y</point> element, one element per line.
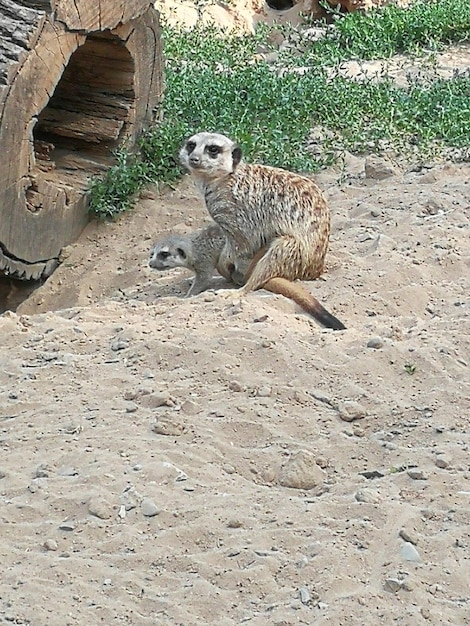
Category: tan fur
<point>260,207</point>
<point>202,252</point>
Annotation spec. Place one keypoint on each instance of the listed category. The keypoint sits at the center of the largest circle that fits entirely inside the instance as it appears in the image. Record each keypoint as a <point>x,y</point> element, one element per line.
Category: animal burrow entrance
<point>87,117</point>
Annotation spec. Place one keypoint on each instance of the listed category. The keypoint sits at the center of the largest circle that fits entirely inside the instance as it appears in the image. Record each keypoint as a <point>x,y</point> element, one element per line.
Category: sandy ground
<point>184,462</point>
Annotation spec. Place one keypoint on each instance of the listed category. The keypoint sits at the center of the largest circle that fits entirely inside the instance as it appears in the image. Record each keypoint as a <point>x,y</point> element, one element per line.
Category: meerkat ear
<point>236,155</point>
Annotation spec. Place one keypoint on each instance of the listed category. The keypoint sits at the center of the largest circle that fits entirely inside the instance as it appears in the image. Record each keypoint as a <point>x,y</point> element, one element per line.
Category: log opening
<point>86,118</point>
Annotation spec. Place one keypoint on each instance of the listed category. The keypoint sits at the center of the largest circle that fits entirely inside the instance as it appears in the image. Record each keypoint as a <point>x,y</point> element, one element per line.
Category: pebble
<point>351,410</point>
<point>409,552</point>
<point>51,545</point>
<point>190,408</point>
<point>68,526</point>
<point>367,495</point>
<point>378,168</point>
<point>130,498</point>
<point>406,536</point>
<point>67,471</point>
<point>156,400</point>
<point>234,523</point>
<point>168,427</point>
<point>264,392</point>
<point>235,386</point>
<point>416,474</point>
<point>100,508</point>
<point>42,471</point>
<point>149,508</point>
<point>119,344</point>
<point>131,407</point>
<point>442,462</point>
<point>392,584</point>
<point>304,595</point>
<point>3,474</point>
<point>301,471</point>
<point>375,342</point>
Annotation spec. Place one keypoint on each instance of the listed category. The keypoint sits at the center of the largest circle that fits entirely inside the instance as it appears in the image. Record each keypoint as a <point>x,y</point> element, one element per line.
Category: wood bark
<point>78,79</point>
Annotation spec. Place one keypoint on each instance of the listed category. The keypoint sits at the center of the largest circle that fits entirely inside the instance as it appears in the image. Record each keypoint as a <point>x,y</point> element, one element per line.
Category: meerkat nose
<point>194,160</point>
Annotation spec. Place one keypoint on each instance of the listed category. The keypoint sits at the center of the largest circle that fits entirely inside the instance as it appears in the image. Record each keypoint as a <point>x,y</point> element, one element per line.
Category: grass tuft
<point>218,82</point>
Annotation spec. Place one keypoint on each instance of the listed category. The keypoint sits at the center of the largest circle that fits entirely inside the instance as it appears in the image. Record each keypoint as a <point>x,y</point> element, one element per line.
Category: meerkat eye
<point>213,151</point>
<point>190,146</point>
<point>181,252</point>
<point>163,254</point>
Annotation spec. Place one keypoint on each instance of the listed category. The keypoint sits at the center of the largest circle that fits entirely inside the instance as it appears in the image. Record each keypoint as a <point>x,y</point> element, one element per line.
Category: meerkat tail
<point>304,299</point>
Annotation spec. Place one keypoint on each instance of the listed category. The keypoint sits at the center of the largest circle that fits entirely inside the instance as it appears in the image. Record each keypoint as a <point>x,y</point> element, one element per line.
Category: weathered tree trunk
<point>78,78</point>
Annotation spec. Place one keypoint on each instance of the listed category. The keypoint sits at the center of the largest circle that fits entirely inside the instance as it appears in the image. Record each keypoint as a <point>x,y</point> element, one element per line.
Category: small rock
<point>131,407</point>
<point>405,535</point>
<point>130,498</point>
<point>51,545</point>
<point>260,319</point>
<point>375,342</point>
<point>367,495</point>
<point>264,392</point>
<point>378,169</point>
<point>392,584</point>
<point>417,474</point>
<point>304,595</point>
<point>168,427</point>
<point>409,552</point>
<point>3,474</point>
<point>235,386</point>
<point>442,462</point>
<point>234,523</point>
<point>156,400</point>
<point>351,410</point>
<point>67,471</point>
<point>190,408</point>
<point>68,526</point>
<point>149,508</point>
<point>119,344</point>
<point>301,471</point>
<point>42,471</point>
<point>100,508</point>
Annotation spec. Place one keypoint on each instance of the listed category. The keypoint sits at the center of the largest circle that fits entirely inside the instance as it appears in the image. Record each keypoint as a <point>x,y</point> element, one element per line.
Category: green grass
<point>219,83</point>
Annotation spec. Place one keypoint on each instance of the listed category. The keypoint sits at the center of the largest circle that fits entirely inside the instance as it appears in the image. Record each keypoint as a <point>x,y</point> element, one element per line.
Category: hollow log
<point>78,79</point>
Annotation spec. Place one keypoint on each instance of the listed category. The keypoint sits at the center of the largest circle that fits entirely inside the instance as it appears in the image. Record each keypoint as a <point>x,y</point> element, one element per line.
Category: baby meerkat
<point>276,223</point>
<point>199,251</point>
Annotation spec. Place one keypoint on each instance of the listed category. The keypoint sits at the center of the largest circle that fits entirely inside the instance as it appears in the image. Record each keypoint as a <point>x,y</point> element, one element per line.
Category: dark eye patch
<point>213,150</point>
<point>163,254</point>
<point>181,252</point>
<point>190,146</point>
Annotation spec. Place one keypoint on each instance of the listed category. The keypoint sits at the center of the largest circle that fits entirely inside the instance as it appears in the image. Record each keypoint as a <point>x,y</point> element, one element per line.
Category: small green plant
<point>219,82</point>
<point>410,368</point>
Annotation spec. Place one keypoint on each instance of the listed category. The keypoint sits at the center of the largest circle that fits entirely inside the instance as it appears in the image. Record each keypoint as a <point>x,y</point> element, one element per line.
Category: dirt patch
<point>216,461</point>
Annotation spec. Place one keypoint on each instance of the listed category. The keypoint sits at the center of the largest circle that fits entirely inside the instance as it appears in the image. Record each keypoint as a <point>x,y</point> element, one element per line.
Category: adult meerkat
<point>276,223</point>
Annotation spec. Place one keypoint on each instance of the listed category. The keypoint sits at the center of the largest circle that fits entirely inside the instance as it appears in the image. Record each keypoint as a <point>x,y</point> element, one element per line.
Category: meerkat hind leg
<point>277,268</point>
<point>283,258</point>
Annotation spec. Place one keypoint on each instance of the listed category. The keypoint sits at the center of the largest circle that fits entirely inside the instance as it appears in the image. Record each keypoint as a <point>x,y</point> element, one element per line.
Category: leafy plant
<point>219,82</point>
<point>410,368</point>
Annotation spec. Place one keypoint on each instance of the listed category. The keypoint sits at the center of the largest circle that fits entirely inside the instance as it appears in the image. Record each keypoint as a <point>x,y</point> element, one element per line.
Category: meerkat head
<point>172,251</point>
<point>210,155</point>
